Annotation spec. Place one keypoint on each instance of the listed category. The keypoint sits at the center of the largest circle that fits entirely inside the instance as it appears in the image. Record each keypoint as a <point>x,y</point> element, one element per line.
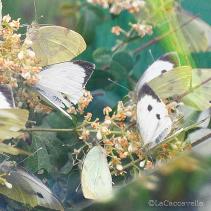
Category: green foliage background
<point>95,25</point>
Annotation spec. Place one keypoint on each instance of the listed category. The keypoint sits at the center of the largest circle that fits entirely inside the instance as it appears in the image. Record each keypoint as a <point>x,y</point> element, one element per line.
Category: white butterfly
<point>153,120</point>
<point>27,188</point>
<point>63,84</point>
<point>6,97</point>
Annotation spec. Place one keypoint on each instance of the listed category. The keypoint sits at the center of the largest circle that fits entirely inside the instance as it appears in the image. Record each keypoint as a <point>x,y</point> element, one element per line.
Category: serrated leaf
<point>96,178</point>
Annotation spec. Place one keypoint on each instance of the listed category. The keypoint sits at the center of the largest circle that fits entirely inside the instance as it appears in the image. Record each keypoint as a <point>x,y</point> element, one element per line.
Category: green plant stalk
<point>173,41</point>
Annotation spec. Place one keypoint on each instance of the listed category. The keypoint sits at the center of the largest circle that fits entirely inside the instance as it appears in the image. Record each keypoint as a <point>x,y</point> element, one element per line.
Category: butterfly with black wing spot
<point>26,188</point>
<point>153,119</point>
<point>62,84</point>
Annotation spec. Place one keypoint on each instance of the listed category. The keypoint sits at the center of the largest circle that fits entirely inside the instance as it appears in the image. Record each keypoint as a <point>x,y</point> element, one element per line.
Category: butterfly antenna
<point>150,53</point>
<point>116,83</point>
<point>30,156</point>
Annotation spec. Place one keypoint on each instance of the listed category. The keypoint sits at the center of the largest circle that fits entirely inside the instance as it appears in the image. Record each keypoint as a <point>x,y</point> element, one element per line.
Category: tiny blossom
<point>107,110</point>
<point>88,117</point>
<point>85,135</point>
<point>6,18</point>
<point>142,29</point>
<point>116,30</point>
<point>99,135</point>
<point>119,167</point>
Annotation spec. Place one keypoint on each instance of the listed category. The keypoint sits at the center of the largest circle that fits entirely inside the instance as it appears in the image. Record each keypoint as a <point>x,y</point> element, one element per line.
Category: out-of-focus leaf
<point>5,148</point>
<point>197,33</point>
<point>0,12</point>
<point>68,166</point>
<point>200,91</point>
<point>179,180</point>
<point>102,57</point>
<point>125,59</point>
<point>96,178</point>
<point>87,24</point>
<point>11,122</point>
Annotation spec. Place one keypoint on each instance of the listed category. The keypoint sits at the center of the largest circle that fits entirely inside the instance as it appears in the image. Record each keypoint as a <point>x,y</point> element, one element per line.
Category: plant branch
<point>159,38</point>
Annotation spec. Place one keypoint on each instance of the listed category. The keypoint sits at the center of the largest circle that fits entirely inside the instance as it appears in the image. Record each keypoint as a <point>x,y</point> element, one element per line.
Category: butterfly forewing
<point>164,64</point>
<point>63,84</point>
<point>172,83</point>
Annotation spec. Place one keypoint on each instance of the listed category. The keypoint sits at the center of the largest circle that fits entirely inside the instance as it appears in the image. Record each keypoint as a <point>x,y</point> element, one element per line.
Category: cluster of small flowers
<point>141,29</point>
<point>17,61</point>
<point>116,133</point>
<point>82,104</point>
<point>117,6</point>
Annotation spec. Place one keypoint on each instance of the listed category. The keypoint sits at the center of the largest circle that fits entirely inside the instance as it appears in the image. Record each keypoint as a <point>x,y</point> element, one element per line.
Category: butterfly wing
<point>194,31</point>
<point>63,84</point>
<point>27,188</point>
<point>164,64</point>
<point>6,97</point>
<point>55,44</point>
<point>96,178</point>
<point>54,98</point>
<point>11,119</point>
<point>199,97</point>
<point>153,120</point>
<point>172,83</point>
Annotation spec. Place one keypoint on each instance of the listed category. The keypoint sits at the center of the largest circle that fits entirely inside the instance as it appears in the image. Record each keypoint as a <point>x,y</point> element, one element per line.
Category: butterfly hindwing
<point>153,120</point>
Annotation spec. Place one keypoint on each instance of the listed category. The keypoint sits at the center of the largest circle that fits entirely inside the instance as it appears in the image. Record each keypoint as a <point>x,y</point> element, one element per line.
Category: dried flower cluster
<point>132,6</point>
<point>17,62</point>
<point>118,134</point>
<point>117,6</point>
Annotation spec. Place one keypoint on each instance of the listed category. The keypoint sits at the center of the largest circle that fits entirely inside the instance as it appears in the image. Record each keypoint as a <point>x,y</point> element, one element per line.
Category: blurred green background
<point>95,25</point>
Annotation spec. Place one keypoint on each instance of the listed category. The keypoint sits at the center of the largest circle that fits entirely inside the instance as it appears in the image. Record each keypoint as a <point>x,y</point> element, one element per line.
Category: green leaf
<point>102,57</point>
<point>124,59</point>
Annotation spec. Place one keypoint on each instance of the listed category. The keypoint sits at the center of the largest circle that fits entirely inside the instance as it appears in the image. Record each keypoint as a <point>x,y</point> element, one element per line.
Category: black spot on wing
<point>40,195</point>
<point>6,91</point>
<point>163,71</point>
<point>171,57</point>
<point>88,67</point>
<point>149,108</point>
<point>158,116</point>
<point>146,90</point>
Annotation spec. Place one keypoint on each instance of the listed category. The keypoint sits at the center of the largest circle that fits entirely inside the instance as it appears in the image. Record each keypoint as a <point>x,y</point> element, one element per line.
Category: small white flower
<point>99,135</point>
<point>31,53</point>
<point>119,167</point>
<point>20,55</point>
